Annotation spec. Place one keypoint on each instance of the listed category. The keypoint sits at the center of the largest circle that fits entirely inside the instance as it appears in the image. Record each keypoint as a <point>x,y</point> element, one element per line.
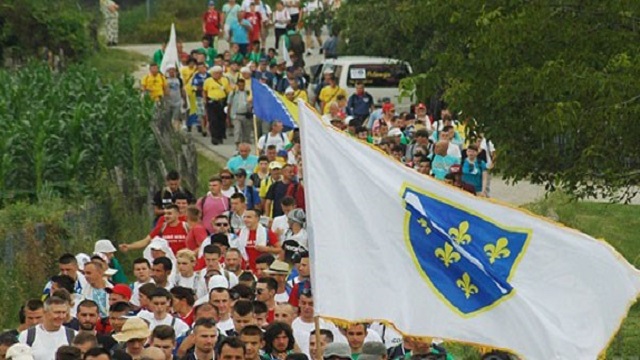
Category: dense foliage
<point>66,132</point>
<point>552,83</point>
<point>135,28</point>
<point>28,26</point>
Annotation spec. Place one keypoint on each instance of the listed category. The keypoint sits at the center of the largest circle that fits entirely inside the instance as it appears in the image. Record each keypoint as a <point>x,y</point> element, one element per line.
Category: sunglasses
<point>221,224</point>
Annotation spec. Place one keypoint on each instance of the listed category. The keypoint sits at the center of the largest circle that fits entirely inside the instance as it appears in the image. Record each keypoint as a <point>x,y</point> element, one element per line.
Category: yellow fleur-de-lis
<point>460,234</point>
<point>465,285</point>
<point>423,222</point>
<point>498,250</point>
<point>447,254</point>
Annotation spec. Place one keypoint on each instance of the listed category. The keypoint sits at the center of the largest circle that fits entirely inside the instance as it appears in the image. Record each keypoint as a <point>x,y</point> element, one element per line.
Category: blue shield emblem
<point>467,259</point>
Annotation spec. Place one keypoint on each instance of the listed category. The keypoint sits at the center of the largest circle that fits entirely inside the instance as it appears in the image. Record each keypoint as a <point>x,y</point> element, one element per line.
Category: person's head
<point>233,259</point>
<point>153,68</point>
<point>263,261</point>
<point>227,178</point>
<point>441,148</point>
<point>221,225</point>
<point>279,6</point>
<point>206,335</point>
<point>326,337</point>
<point>251,218</point>
<point>68,265</point>
<point>215,185</point>
<point>424,165</point>
<point>219,297</point>
<point>306,305</point>
<point>246,278</point>
<point>186,262</point>
<point>205,311</point>
<point>278,338</point>
<point>6,341</point>
<point>238,202</point>
<point>160,302</point>
<point>288,203</point>
<point>253,338</point>
<point>446,133</point>
<point>33,312</point>
<point>84,341</point>
<point>212,254</point>
<point>205,39</point>
<point>261,312</point>
<point>154,353</point>
<point>266,289</point>
<point>183,299</point>
<point>117,315</point>
<point>118,293</point>
<point>97,353</point>
<point>162,267</point>
<point>202,68</point>
<point>163,337</point>
<point>304,268</point>
<point>287,172</point>
<point>145,291</point>
<point>55,313</point>
<point>472,152</point>
<point>263,164</point>
<point>71,352</point>
<point>182,202</point>
<point>276,126</point>
<point>243,314</point>
<point>171,72</point>
<point>284,313</point>
<point>296,219</point>
<point>142,269</point>
<point>271,154</point>
<point>173,180</point>
<point>62,282</point>
<point>359,88</point>
<point>356,333</point>
<point>88,315</point>
<point>231,348</point>
<point>171,214</point>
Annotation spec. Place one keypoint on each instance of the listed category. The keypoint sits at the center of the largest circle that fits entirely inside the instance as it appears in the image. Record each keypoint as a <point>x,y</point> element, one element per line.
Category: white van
<point>381,77</point>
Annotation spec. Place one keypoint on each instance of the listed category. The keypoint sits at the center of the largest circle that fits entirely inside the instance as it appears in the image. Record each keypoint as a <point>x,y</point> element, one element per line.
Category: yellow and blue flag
<point>389,244</point>
<point>270,106</point>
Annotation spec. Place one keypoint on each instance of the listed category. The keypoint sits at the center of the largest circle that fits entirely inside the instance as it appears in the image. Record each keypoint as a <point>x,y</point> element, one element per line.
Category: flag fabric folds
<point>270,106</point>
<point>171,53</point>
<point>388,243</point>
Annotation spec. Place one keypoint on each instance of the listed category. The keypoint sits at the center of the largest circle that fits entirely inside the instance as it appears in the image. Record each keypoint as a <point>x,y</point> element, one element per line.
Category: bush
<point>186,14</point>
<point>27,26</point>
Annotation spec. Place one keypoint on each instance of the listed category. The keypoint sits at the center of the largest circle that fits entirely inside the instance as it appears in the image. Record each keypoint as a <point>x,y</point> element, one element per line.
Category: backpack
<point>31,335</point>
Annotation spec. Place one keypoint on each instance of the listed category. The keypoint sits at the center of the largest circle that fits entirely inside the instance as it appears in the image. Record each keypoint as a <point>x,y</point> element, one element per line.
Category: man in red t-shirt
<point>173,230</point>
<point>211,21</point>
<point>256,239</point>
<point>255,19</point>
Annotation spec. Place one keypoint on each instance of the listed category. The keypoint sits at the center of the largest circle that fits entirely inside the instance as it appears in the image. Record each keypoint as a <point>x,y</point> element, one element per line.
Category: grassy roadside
<point>114,63</point>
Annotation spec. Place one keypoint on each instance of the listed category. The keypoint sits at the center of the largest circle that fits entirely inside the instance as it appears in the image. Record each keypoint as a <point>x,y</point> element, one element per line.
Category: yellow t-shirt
<point>329,94</point>
<point>216,89</point>
<point>155,85</point>
<point>300,94</point>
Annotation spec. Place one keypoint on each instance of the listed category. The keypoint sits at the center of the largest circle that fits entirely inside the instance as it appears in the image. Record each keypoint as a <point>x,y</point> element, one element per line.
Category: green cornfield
<point>68,133</point>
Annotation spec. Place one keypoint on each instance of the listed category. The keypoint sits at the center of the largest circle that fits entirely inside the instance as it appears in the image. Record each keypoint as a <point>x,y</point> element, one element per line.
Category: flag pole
<point>255,133</point>
<point>316,322</point>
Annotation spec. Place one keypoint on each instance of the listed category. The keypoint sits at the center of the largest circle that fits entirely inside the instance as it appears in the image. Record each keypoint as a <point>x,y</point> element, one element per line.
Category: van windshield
<point>377,75</point>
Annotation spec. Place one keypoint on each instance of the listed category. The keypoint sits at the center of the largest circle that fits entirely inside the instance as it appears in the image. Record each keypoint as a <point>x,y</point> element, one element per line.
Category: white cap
<point>170,66</point>
<point>158,243</point>
<point>82,259</point>
<point>19,352</point>
<point>328,71</point>
<point>245,70</point>
<point>394,132</point>
<point>216,68</point>
<point>289,90</point>
<point>218,281</point>
<point>104,246</point>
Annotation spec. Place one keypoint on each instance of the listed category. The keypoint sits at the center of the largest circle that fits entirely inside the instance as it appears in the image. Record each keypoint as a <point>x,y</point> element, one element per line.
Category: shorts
<point>200,109</point>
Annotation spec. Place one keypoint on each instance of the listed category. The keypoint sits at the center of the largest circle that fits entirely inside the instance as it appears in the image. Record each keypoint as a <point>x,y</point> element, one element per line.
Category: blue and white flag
<point>390,244</point>
<point>270,106</point>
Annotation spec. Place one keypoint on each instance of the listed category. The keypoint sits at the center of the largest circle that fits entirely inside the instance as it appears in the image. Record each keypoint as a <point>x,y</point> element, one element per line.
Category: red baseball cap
<point>421,106</point>
<point>120,289</point>
<point>387,107</point>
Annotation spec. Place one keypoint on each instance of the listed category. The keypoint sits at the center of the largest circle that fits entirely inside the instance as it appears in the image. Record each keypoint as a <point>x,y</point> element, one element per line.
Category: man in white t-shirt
<point>161,300</point>
<point>220,298</point>
<point>47,337</point>
<point>304,324</point>
<point>186,276</point>
<point>274,137</point>
<point>142,272</point>
<point>280,224</point>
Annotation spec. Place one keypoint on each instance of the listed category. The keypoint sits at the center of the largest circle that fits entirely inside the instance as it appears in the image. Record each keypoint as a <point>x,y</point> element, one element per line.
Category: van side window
<point>377,75</point>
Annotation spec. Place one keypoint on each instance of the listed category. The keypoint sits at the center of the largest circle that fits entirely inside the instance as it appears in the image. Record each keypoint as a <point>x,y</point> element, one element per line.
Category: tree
<point>552,82</point>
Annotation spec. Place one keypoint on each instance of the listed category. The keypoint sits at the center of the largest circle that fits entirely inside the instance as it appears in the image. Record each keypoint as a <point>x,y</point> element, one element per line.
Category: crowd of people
<point>226,274</point>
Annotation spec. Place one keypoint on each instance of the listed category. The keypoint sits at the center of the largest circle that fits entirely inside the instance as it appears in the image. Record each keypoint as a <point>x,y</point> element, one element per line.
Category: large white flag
<point>171,53</point>
<point>390,244</point>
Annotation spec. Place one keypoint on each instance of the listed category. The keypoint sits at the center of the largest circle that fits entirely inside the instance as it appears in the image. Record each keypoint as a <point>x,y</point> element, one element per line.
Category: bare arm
<point>140,244</point>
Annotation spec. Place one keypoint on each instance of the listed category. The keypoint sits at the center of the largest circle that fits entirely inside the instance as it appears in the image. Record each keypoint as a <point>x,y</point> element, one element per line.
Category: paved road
<point>519,194</point>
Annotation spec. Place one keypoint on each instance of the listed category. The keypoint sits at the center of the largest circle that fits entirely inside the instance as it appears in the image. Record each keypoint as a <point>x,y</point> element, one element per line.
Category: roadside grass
<point>206,169</point>
<point>115,63</point>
